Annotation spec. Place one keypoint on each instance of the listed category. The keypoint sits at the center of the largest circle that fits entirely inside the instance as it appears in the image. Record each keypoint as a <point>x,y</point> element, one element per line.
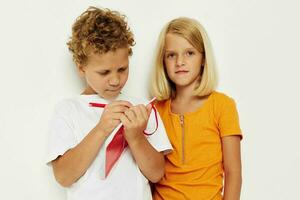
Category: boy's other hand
<point>111,116</point>
<point>135,121</point>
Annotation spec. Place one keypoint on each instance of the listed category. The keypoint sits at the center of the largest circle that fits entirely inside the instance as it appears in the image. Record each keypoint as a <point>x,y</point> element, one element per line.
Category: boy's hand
<point>111,116</point>
<point>135,121</point>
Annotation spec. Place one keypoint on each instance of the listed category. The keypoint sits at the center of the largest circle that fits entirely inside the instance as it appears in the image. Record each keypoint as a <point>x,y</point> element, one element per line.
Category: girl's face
<point>182,61</point>
<point>106,74</point>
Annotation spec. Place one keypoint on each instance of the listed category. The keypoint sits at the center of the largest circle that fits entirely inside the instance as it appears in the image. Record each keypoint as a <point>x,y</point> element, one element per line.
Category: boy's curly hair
<point>99,31</point>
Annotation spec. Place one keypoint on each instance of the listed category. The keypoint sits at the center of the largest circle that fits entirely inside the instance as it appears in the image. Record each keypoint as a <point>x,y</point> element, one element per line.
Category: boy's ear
<point>81,69</point>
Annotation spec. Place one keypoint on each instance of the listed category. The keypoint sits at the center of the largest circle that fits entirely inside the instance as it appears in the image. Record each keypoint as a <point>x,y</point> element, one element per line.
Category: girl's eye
<point>190,53</point>
<point>170,55</point>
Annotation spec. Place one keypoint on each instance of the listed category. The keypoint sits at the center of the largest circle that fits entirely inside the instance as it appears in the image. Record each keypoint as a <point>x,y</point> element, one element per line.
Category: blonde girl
<point>202,124</point>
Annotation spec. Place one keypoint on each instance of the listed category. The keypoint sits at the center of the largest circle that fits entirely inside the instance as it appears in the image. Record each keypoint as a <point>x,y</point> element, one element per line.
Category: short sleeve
<point>61,136</point>
<point>229,119</point>
<point>159,139</point>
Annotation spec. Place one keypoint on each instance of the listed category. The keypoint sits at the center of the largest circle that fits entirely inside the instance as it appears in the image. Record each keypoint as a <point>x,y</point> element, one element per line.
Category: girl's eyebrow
<point>189,48</point>
<point>168,50</point>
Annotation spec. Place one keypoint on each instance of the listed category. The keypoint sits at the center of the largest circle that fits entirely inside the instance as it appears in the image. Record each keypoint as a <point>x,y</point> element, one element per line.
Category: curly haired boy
<point>101,45</point>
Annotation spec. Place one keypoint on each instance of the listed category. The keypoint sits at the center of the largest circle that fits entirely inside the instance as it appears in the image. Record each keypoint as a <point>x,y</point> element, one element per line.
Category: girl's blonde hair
<point>190,29</point>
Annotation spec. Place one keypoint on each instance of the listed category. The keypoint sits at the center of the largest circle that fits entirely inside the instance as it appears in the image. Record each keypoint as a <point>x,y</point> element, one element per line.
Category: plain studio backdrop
<point>256,45</point>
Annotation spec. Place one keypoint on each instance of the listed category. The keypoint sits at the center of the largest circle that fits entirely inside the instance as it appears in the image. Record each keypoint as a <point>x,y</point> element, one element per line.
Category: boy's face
<point>106,74</point>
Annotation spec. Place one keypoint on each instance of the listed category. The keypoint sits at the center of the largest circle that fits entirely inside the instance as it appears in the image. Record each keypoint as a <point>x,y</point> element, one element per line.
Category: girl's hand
<point>111,116</point>
<point>135,121</point>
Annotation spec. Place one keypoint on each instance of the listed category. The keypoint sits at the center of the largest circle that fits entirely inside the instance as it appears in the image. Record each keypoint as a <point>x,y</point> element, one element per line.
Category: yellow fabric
<point>194,169</point>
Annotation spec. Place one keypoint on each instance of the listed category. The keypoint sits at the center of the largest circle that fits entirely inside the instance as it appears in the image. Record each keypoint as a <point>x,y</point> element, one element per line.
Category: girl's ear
<point>81,69</point>
<point>202,66</point>
<point>203,62</point>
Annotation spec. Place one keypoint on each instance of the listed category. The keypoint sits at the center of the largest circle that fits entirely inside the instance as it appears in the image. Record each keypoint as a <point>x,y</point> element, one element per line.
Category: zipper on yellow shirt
<point>182,137</point>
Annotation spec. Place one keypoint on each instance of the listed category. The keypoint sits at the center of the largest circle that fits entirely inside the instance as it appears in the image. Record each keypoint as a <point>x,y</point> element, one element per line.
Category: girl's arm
<point>150,161</point>
<point>232,167</point>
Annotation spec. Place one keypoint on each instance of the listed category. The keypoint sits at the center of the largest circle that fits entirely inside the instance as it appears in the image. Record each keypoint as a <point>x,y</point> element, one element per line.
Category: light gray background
<point>256,45</point>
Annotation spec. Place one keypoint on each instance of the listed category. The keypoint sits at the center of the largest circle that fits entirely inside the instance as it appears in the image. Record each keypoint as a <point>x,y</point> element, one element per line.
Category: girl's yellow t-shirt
<point>194,169</point>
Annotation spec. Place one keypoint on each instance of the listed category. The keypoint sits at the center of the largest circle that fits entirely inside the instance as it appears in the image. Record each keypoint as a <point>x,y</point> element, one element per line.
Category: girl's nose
<point>180,61</point>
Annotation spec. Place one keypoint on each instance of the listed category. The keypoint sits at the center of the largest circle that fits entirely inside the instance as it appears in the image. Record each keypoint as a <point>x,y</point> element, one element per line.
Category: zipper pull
<point>181,119</point>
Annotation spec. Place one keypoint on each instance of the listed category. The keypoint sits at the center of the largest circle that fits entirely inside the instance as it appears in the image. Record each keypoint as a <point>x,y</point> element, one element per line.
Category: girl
<point>202,124</point>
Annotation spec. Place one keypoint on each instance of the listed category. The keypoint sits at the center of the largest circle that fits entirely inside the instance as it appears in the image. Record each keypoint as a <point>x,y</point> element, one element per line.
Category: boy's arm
<point>232,167</point>
<point>69,167</point>
<point>150,161</point>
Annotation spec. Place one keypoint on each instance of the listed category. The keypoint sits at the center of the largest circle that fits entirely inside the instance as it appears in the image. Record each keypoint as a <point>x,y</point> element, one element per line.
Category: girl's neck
<point>185,101</point>
<point>184,94</point>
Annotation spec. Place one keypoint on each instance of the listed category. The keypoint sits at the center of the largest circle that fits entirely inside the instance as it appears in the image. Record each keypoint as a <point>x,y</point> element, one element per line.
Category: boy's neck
<point>88,91</point>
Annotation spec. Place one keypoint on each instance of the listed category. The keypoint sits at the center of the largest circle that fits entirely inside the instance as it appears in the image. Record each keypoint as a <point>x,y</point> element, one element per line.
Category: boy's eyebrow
<point>103,70</point>
<point>108,70</point>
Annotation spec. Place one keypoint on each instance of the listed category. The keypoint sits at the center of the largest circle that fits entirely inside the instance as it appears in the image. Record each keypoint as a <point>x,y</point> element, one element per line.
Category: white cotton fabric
<point>72,120</point>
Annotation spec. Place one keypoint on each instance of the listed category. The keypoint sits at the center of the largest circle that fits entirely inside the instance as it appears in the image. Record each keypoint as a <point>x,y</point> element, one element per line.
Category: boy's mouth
<point>113,90</point>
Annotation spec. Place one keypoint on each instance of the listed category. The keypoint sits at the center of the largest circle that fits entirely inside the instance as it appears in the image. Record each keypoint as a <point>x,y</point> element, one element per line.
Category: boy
<point>101,45</point>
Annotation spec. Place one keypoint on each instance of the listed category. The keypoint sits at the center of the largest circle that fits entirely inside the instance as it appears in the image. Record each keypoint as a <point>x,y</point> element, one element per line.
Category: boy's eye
<point>103,73</point>
<point>123,69</point>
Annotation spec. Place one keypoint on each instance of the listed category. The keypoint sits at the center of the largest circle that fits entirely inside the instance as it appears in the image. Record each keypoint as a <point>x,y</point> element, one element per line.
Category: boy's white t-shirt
<point>73,119</point>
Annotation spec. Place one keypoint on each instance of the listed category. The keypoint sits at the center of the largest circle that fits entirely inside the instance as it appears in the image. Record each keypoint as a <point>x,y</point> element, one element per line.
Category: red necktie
<point>118,143</point>
<point>114,150</point>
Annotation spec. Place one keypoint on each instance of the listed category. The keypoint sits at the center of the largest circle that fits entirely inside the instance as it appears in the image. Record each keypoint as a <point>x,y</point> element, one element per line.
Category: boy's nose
<point>114,81</point>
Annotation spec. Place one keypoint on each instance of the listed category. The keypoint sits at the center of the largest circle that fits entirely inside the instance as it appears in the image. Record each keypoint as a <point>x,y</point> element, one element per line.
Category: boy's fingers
<point>149,108</point>
<point>143,112</point>
<point>130,114</point>
<point>116,116</point>
<point>121,103</point>
<point>124,119</point>
<point>119,108</point>
<point>115,122</point>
